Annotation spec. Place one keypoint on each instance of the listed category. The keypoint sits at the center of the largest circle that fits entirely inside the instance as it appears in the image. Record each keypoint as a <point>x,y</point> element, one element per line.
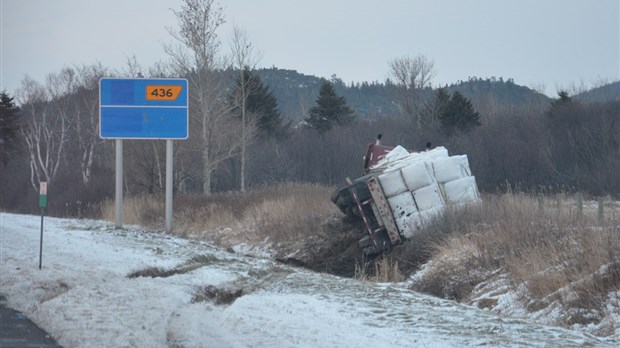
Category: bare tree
<point>244,57</point>
<point>132,68</point>
<point>195,56</point>
<point>145,168</point>
<point>412,75</point>
<point>45,129</point>
<point>86,120</point>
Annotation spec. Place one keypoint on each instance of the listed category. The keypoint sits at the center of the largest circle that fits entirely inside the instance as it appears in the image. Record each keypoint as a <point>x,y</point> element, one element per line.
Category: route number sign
<point>162,92</point>
<point>143,108</point>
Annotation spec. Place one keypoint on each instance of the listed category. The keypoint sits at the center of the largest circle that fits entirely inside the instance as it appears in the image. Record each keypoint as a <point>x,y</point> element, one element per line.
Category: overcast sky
<point>550,43</point>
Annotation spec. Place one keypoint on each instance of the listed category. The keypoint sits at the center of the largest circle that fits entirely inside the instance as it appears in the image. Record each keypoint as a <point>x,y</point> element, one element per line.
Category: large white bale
<point>451,168</point>
<point>396,153</point>
<point>408,225</point>
<point>405,213</point>
<point>428,198</point>
<point>398,158</point>
<point>438,152</point>
<point>392,183</point>
<point>417,175</point>
<point>462,190</point>
<point>402,205</point>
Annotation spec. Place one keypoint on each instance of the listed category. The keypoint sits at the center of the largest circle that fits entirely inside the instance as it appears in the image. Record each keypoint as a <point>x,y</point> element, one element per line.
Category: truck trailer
<point>400,191</point>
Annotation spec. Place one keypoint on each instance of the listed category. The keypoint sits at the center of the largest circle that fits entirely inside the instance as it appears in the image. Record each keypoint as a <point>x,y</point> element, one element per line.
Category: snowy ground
<point>84,298</point>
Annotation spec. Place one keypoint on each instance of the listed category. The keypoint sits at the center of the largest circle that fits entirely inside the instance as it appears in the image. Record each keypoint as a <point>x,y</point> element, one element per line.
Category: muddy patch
<point>218,296</point>
<point>191,265</point>
<point>332,250</point>
<point>50,290</point>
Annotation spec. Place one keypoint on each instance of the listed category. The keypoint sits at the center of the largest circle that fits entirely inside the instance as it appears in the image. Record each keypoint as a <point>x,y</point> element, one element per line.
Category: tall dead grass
<point>383,270</point>
<point>145,210</point>
<point>556,248</point>
<point>279,213</point>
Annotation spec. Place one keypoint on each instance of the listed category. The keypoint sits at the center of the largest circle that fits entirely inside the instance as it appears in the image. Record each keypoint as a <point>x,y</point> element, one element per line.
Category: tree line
<point>239,139</point>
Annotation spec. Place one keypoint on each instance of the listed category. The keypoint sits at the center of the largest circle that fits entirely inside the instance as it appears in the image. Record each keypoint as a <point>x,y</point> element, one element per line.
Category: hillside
<point>601,94</point>
<point>296,93</point>
<point>499,91</point>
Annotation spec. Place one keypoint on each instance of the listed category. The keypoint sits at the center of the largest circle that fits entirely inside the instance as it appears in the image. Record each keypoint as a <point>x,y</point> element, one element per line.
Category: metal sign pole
<point>169,185</point>
<point>118,201</point>
<point>41,240</point>
<point>42,205</point>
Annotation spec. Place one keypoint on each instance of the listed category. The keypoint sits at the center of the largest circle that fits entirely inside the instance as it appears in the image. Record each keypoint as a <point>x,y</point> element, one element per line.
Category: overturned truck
<point>401,191</point>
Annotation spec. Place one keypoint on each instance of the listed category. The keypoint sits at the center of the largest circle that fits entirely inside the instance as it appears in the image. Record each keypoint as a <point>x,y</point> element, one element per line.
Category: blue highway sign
<point>143,109</point>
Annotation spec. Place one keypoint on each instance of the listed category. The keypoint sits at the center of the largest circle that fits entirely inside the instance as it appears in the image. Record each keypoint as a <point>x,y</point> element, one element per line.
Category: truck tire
<point>347,207</point>
<point>335,195</point>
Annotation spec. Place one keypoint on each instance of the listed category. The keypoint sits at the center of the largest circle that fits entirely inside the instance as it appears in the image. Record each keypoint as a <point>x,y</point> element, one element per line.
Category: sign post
<point>42,205</point>
<point>118,196</point>
<point>143,109</point>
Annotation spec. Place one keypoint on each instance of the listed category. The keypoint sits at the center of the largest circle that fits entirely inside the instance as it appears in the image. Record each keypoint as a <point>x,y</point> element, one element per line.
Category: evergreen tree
<point>563,97</point>
<point>331,109</point>
<point>9,126</point>
<point>262,104</point>
<point>459,115</point>
<point>429,119</point>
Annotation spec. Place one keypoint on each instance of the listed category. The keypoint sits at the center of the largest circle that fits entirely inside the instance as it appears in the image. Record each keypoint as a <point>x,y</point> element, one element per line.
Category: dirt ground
<point>332,250</point>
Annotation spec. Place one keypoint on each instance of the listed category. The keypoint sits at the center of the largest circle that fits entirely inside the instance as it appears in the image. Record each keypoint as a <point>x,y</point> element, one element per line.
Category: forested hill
<point>609,92</point>
<point>499,91</point>
<point>296,93</point>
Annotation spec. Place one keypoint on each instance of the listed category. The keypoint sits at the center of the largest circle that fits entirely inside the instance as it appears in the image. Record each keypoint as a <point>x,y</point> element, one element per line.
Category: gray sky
<point>539,43</point>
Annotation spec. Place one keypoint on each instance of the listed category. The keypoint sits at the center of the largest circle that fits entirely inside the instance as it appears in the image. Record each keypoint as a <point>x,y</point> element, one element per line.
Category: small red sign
<point>43,188</point>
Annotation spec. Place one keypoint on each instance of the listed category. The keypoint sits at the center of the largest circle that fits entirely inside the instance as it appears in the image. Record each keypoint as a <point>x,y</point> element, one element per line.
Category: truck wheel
<point>346,205</point>
<point>335,195</point>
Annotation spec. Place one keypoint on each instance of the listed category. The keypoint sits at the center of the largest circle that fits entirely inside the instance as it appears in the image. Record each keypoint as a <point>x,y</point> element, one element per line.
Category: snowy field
<point>84,298</point>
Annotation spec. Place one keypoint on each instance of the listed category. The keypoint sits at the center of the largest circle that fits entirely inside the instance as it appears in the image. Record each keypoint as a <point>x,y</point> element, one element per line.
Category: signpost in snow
<point>42,205</point>
<point>143,109</point>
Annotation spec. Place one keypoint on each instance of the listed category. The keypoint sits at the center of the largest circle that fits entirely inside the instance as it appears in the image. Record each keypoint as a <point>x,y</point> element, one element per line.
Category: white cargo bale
<point>417,175</point>
<point>464,164</point>
<point>402,204</point>
<point>396,153</point>
<point>399,158</point>
<point>438,152</point>
<point>428,198</point>
<point>462,190</point>
<point>414,157</point>
<point>451,168</point>
<point>405,213</point>
<point>409,224</point>
<point>392,183</point>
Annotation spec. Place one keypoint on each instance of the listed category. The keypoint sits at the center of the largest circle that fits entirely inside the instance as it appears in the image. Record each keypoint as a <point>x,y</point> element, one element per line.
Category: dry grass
<point>145,210</point>
<point>382,270</point>
<point>278,213</point>
<point>560,251</point>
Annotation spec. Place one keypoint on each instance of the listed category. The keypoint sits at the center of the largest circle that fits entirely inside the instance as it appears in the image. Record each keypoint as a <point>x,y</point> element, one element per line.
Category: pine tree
<point>262,104</point>
<point>330,110</point>
<point>459,115</point>
<point>429,118</point>
<point>9,125</point>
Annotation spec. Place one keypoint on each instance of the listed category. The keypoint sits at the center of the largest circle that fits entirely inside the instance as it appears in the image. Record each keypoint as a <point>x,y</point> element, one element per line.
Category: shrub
<point>546,245</point>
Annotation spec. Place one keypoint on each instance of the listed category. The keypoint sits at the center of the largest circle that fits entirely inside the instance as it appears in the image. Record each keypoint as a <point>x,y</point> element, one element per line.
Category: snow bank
<point>84,298</point>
